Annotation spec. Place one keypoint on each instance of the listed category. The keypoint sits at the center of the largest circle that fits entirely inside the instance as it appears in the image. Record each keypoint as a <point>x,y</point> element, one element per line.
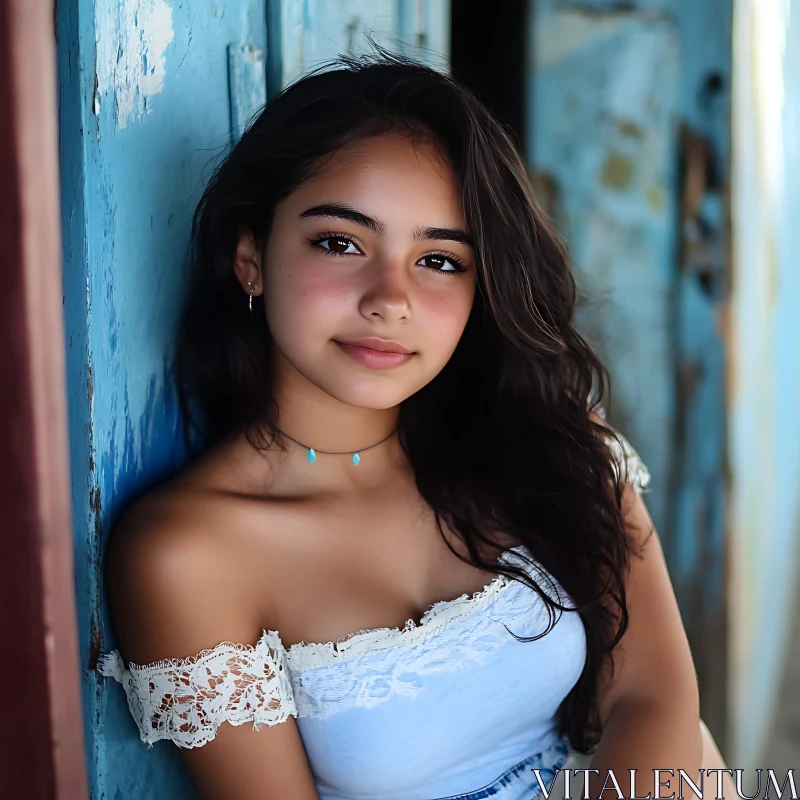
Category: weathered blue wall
<point>313,31</point>
<point>604,99</point>
<point>152,91</point>
<point>611,88</point>
<point>144,106</point>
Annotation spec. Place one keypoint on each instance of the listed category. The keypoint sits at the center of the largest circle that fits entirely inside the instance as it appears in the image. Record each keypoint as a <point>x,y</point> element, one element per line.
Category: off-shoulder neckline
<point>303,655</point>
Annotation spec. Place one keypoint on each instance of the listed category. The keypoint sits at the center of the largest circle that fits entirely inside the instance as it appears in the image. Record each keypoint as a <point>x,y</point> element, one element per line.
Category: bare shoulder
<point>179,580</point>
<point>175,580</point>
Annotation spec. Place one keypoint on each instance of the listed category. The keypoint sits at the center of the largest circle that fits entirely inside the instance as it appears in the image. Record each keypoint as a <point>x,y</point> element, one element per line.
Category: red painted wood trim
<point>41,733</point>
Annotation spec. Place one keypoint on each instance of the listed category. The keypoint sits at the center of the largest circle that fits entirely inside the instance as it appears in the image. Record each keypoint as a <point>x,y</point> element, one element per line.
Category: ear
<point>247,262</point>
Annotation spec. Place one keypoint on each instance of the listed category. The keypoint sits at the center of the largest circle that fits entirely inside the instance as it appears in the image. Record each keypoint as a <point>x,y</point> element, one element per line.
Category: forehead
<point>400,178</point>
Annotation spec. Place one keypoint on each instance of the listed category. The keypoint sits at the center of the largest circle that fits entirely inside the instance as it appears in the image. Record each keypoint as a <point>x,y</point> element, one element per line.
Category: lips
<point>381,345</point>
<point>376,353</point>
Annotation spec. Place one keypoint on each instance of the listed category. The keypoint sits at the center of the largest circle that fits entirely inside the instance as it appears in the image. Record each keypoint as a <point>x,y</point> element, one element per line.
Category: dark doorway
<point>488,53</point>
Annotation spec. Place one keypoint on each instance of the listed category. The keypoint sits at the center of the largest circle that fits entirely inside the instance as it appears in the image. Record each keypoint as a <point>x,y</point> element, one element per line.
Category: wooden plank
<point>247,78</point>
<point>41,741</point>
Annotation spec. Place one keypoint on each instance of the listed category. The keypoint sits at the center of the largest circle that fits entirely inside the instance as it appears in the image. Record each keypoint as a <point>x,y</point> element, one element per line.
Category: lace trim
<point>305,656</point>
<point>392,665</point>
<point>636,473</point>
<point>628,463</point>
<point>186,699</point>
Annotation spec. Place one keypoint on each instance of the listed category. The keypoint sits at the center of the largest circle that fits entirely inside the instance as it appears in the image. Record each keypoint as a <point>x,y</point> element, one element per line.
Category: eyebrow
<point>339,211</point>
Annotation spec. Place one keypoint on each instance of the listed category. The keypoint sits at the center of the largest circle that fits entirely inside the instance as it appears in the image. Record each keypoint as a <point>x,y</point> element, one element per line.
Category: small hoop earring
<point>250,301</point>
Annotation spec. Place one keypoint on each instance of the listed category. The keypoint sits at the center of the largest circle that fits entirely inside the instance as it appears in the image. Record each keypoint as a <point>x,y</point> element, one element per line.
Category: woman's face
<point>371,255</point>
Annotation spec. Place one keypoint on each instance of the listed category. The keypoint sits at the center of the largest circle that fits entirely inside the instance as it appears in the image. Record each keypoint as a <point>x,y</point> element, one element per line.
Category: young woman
<point>403,555</point>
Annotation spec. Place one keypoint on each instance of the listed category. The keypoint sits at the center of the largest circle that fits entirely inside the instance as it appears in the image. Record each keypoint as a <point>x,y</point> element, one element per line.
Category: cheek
<point>445,313</point>
<point>299,293</point>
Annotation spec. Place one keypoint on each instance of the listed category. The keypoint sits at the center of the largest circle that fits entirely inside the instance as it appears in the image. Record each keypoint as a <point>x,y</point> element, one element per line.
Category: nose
<point>387,295</point>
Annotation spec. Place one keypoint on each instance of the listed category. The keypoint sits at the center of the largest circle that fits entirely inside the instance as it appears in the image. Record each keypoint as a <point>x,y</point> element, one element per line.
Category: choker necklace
<point>311,455</point>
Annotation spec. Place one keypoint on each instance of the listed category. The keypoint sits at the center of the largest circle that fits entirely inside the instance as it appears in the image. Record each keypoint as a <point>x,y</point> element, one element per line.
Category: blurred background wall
<point>662,136</point>
<point>629,132</point>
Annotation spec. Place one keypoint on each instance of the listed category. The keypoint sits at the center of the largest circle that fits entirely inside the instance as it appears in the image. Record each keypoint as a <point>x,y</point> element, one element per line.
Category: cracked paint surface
<point>132,38</point>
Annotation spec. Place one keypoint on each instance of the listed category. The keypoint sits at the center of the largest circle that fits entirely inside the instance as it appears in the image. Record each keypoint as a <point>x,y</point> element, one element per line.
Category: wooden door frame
<point>41,738</point>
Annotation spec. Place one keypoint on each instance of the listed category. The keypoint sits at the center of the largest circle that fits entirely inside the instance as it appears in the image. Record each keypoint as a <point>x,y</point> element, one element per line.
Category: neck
<point>316,420</point>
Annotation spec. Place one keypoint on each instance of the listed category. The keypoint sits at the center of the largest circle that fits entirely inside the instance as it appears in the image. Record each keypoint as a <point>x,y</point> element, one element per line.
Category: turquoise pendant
<point>356,458</point>
<point>311,455</point>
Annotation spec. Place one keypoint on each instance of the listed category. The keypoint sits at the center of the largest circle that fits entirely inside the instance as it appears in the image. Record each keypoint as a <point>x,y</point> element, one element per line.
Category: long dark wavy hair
<point>504,438</point>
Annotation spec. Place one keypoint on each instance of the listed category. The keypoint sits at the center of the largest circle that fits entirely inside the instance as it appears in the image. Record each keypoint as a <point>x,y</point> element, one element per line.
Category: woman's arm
<point>174,592</point>
<point>650,709</point>
<point>712,759</point>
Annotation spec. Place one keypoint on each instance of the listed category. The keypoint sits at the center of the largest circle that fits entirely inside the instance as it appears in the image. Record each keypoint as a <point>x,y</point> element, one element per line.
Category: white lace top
<point>426,711</point>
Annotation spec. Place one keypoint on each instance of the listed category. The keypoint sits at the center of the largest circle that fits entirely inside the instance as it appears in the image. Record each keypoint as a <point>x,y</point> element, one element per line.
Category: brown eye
<point>437,262</point>
<point>441,263</point>
<point>337,245</point>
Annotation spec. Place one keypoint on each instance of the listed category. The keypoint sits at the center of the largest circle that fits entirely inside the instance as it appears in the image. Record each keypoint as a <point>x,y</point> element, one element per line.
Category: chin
<point>366,396</point>
<point>378,389</point>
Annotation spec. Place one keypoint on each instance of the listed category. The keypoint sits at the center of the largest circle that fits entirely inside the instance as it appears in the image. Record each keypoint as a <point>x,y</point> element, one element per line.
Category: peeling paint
<point>132,37</point>
<point>617,171</point>
<point>248,86</point>
<point>95,644</point>
<point>630,128</point>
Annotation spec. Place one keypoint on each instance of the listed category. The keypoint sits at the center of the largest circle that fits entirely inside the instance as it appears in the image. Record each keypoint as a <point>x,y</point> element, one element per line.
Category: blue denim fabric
<point>519,782</point>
